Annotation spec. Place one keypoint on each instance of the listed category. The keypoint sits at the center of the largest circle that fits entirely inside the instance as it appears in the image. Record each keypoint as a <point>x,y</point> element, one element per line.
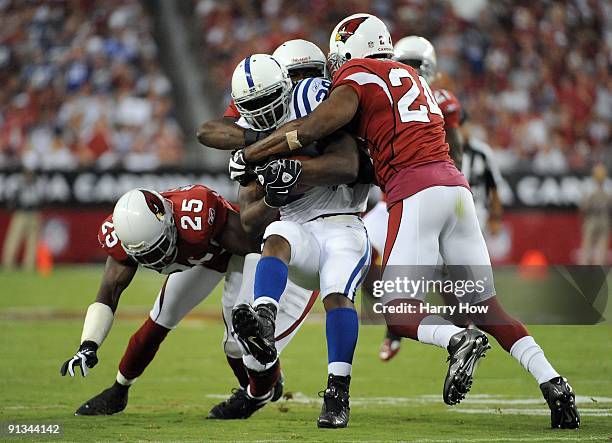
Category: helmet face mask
<point>160,253</point>
<point>266,111</point>
<point>261,89</point>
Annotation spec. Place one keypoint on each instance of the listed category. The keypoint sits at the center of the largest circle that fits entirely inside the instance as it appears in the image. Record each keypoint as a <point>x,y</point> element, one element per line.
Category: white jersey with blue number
<point>319,200</point>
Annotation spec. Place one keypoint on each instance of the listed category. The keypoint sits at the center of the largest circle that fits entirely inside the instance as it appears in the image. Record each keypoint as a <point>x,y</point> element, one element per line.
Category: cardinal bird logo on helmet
<point>155,204</point>
<point>348,28</point>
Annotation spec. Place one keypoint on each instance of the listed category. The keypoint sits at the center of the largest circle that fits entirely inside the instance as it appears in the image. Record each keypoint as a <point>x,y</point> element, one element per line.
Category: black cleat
<point>255,329</point>
<point>335,411</point>
<point>562,403</point>
<point>465,349</point>
<point>108,402</point>
<point>239,406</point>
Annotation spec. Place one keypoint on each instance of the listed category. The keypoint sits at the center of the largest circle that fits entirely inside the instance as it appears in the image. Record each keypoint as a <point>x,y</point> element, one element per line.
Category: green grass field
<point>41,321</point>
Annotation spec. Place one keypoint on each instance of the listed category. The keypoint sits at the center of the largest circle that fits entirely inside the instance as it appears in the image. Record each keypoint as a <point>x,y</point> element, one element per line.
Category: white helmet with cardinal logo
<point>359,36</point>
<point>145,226</point>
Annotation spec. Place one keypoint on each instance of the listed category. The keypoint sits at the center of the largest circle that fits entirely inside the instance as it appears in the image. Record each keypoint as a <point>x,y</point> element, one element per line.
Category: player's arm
<point>493,180</point>
<point>496,211</point>
<point>100,316</point>
<point>236,239</point>
<point>255,215</point>
<point>454,138</point>
<point>116,278</point>
<point>338,165</point>
<point>224,134</point>
<point>331,115</point>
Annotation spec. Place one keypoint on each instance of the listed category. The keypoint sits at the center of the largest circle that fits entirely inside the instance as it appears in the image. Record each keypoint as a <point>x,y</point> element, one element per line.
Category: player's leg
<point>463,244</point>
<point>180,293</point>
<point>412,251</point>
<point>286,245</point>
<point>240,404</point>
<point>264,379</point>
<point>376,221</point>
<point>344,263</point>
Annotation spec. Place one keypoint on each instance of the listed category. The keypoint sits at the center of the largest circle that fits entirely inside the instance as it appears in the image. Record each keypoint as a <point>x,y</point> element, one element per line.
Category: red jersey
<point>199,215</point>
<point>450,107</point>
<point>232,110</point>
<point>403,126</point>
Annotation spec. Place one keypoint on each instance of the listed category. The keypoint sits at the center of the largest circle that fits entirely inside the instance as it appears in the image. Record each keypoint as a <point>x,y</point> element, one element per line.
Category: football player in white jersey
<point>320,240</point>
<point>303,59</point>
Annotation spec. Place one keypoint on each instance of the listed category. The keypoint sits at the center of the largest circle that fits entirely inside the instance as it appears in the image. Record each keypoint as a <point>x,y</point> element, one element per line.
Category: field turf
<point>41,320</point>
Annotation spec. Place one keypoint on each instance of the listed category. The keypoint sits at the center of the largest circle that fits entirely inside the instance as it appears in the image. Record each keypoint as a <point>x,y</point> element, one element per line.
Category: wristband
<point>292,140</point>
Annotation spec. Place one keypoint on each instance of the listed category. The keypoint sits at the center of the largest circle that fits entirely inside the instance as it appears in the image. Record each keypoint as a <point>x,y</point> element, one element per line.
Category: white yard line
<point>586,412</point>
<point>477,399</point>
<point>517,439</point>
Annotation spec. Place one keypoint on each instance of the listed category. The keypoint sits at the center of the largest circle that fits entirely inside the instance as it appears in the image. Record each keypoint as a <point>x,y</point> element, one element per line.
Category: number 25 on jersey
<point>193,222</point>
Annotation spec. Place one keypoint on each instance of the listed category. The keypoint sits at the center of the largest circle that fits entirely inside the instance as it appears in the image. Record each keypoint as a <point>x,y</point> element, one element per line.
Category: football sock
<point>262,383</point>
<point>270,280</point>
<point>240,371</point>
<point>141,350</point>
<point>342,329</point>
<point>122,381</point>
<point>434,330</point>
<point>529,354</point>
<point>119,387</point>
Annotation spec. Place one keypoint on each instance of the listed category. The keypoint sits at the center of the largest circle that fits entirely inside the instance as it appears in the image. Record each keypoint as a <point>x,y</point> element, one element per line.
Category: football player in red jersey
<point>195,237</point>
<point>431,210</point>
<point>419,53</point>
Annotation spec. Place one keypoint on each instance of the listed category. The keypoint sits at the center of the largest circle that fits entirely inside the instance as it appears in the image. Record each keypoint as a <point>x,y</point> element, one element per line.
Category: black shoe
<point>562,403</point>
<point>335,411</point>
<point>255,329</point>
<point>239,406</point>
<point>279,387</point>
<point>465,349</point>
<point>107,402</point>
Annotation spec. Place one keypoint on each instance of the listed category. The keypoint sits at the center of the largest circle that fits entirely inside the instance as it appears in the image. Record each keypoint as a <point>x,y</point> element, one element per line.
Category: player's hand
<point>278,179</point>
<point>238,168</point>
<point>84,358</point>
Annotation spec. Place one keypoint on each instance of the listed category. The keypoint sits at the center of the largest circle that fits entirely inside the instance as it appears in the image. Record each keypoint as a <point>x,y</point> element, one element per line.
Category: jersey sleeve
<point>349,74</point>
<point>107,237</point>
<point>232,110</point>
<point>199,213</point>
<point>450,107</point>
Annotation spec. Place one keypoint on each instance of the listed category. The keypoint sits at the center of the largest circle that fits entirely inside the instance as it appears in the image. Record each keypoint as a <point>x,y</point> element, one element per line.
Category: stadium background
<point>99,97</point>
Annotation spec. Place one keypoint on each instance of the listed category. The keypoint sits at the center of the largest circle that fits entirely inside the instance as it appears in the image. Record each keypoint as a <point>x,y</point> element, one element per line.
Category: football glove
<point>238,168</point>
<point>84,358</point>
<point>278,179</point>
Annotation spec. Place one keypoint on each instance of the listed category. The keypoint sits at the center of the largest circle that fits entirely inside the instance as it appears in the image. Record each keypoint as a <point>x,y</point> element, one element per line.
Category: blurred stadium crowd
<point>532,75</point>
<point>82,86</point>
